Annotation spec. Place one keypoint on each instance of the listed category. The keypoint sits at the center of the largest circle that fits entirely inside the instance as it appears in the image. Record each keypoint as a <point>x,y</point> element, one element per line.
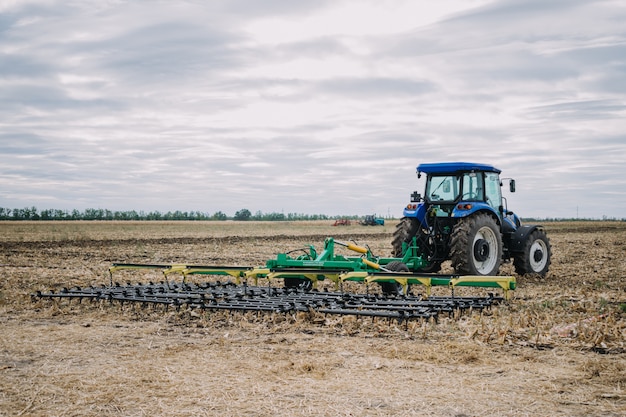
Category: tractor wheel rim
<point>481,250</point>
<point>537,256</point>
<point>484,257</point>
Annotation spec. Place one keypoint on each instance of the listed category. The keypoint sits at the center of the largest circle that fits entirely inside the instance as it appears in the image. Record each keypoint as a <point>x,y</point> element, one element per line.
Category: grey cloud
<point>18,65</point>
<point>578,110</point>
<point>315,48</point>
<point>20,143</point>
<point>274,7</point>
<point>523,66</point>
<point>358,88</point>
<point>174,49</point>
<point>159,47</point>
<point>512,10</point>
<point>48,98</point>
<point>538,26</point>
<point>598,54</point>
<point>610,80</point>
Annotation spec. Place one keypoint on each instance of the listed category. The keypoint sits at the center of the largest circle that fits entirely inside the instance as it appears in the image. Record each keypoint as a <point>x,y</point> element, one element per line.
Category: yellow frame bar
<point>507,283</point>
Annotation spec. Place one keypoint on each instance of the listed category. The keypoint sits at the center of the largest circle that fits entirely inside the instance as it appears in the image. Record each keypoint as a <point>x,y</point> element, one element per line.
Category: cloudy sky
<point>309,106</point>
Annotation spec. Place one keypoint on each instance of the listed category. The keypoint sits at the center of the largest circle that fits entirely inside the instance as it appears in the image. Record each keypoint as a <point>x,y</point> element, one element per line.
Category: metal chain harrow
<point>213,296</point>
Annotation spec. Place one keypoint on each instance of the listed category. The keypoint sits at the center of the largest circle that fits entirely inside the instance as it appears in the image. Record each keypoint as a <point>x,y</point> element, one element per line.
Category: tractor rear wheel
<point>535,257</point>
<point>405,230</point>
<point>393,288</point>
<point>476,246</point>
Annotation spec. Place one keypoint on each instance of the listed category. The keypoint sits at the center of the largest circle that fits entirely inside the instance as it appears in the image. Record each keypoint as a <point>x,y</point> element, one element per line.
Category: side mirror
<point>512,185</point>
<point>416,197</point>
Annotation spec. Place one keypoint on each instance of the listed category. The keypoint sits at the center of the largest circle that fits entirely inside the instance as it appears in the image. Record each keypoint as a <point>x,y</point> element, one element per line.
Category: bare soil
<point>557,349</point>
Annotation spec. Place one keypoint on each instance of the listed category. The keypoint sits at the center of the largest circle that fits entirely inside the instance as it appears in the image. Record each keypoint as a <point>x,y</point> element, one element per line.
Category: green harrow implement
<point>394,275</point>
<point>300,272</point>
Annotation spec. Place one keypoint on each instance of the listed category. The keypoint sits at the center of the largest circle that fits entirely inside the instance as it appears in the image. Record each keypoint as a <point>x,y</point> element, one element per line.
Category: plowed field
<point>557,349</point>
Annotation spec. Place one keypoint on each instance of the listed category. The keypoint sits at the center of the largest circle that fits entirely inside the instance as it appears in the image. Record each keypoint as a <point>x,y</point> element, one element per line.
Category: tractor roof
<point>454,167</point>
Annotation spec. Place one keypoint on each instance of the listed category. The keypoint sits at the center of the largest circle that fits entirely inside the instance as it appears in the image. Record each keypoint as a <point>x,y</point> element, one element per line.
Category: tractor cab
<point>457,189</point>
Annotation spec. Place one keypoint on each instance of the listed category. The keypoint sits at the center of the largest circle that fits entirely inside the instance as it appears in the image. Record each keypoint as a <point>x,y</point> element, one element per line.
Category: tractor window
<point>473,186</point>
<point>442,188</point>
<point>492,185</point>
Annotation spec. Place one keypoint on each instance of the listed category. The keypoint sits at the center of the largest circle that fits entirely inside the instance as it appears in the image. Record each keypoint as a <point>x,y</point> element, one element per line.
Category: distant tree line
<point>572,219</point>
<point>245,214</point>
<point>32,213</point>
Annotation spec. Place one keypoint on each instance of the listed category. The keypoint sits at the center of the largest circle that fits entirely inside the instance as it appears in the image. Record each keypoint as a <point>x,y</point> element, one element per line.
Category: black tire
<point>536,255</point>
<point>405,230</point>
<point>476,245</point>
<point>393,288</point>
<point>298,284</point>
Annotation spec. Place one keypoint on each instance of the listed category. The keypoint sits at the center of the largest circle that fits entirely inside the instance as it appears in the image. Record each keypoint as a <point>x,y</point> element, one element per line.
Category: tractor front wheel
<point>404,233</point>
<point>476,246</point>
<point>535,257</point>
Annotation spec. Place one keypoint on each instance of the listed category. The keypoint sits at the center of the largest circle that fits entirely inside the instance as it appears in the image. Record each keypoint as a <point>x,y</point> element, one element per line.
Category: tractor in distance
<point>372,220</point>
<point>463,217</point>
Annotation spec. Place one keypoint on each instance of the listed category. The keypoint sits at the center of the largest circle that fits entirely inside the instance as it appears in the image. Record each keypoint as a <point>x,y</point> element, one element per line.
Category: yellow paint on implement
<point>176,269</point>
<point>353,247</point>
<point>370,263</point>
<point>256,273</point>
<point>403,278</point>
<point>236,272</point>
<point>507,283</point>
<point>120,267</point>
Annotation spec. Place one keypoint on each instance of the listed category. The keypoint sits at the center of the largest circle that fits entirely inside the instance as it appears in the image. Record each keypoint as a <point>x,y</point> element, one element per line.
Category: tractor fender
<point>418,213</point>
<point>474,207</point>
<point>519,236</point>
<point>510,224</point>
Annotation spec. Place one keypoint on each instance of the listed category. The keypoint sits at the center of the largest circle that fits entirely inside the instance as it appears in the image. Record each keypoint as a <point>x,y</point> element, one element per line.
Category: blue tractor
<point>463,217</point>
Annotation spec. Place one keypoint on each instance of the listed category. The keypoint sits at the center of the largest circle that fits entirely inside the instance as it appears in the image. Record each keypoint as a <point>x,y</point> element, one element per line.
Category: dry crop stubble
<point>556,349</point>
